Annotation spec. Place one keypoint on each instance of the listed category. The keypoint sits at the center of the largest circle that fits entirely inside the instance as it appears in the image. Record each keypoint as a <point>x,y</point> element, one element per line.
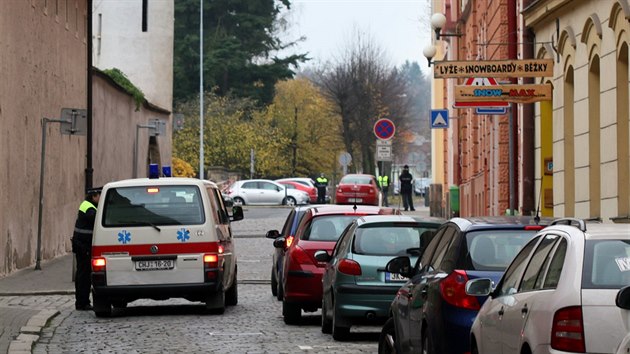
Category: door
<point>224,235</point>
<point>270,193</point>
<point>250,192</point>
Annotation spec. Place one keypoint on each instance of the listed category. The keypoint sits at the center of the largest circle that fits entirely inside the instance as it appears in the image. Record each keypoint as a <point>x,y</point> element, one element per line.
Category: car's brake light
<point>567,331</point>
<point>534,227</point>
<point>350,267</point>
<point>288,241</point>
<point>99,264</point>
<point>453,290</point>
<point>299,256</point>
<point>210,266</point>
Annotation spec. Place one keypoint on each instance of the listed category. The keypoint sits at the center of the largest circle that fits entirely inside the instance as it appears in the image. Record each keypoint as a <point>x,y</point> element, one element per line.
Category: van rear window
<point>153,205</point>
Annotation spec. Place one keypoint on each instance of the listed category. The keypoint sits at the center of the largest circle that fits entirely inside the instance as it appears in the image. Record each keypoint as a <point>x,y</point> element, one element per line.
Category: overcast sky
<point>400,27</point>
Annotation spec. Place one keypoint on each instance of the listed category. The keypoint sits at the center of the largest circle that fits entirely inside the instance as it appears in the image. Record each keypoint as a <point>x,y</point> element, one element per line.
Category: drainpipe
<point>88,169</point>
<point>529,132</point>
<point>513,155</point>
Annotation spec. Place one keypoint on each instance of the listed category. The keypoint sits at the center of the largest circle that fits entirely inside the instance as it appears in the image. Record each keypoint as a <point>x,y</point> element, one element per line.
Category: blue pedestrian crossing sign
<point>439,118</point>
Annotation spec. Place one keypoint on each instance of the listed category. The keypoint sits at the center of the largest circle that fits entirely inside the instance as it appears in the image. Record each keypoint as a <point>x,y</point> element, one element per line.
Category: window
<point>428,252</point>
<point>555,268</point>
<point>327,228</point>
<point>153,205</point>
<point>442,247</point>
<point>606,264</point>
<point>286,229</point>
<point>250,185</point>
<point>268,186</point>
<point>494,250</point>
<point>509,282</point>
<point>345,238</point>
<point>387,239</point>
<point>537,264</point>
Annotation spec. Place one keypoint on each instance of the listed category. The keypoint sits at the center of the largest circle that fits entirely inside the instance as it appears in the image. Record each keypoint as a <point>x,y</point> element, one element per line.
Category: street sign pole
<point>512,185</point>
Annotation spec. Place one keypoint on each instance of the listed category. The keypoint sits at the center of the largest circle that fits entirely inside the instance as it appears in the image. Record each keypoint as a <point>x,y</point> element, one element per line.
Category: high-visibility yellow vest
<point>383,181</point>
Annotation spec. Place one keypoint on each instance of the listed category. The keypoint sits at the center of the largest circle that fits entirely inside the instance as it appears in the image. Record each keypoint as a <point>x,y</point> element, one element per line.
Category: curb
<point>29,334</point>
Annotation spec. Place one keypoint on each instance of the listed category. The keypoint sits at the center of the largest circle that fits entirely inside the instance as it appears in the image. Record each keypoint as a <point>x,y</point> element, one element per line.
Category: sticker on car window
<point>124,237</point>
<point>623,263</point>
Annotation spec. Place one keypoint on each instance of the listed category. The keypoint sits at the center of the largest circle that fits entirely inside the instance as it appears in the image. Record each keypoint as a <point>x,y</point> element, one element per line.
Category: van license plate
<point>394,277</point>
<point>155,264</point>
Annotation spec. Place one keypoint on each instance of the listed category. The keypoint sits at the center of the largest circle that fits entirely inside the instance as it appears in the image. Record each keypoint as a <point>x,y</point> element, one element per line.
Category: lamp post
<point>438,21</point>
<point>429,52</point>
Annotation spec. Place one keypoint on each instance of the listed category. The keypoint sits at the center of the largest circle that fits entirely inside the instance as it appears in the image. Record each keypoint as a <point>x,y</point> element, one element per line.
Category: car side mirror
<point>237,213</point>
<point>623,298</point>
<point>322,256</point>
<point>400,265</point>
<point>272,234</point>
<point>479,287</point>
<point>280,242</point>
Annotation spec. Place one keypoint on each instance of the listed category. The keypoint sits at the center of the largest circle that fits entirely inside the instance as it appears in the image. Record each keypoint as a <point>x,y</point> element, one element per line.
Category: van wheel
<point>215,303</point>
<point>231,296</point>
<point>274,283</point>
<point>102,306</point>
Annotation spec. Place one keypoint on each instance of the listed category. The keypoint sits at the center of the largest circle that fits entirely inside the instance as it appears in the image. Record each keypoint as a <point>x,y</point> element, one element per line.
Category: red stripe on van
<point>163,248</point>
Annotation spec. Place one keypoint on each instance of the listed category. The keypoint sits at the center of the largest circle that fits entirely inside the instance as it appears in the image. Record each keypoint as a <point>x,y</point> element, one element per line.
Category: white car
<point>265,192</point>
<point>558,294</point>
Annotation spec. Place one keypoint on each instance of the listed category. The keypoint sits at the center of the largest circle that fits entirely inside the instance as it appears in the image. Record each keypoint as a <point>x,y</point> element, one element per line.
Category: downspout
<point>512,54</point>
<point>529,132</point>
<point>88,169</point>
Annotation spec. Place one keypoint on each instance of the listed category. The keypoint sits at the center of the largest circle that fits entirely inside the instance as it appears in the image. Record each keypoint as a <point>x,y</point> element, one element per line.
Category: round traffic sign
<point>384,129</point>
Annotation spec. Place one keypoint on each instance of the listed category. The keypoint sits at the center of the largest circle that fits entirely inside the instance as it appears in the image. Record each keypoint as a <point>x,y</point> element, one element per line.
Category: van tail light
<point>350,267</point>
<point>453,291</point>
<point>288,241</point>
<point>211,266</point>
<point>567,331</point>
<point>297,255</point>
<point>98,264</point>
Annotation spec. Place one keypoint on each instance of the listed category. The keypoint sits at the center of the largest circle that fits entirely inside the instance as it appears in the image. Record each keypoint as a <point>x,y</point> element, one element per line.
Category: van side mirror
<point>623,298</point>
<point>237,213</point>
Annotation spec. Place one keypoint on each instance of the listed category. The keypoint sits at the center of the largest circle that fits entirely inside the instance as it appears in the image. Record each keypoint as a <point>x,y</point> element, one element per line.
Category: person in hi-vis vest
<point>383,184</point>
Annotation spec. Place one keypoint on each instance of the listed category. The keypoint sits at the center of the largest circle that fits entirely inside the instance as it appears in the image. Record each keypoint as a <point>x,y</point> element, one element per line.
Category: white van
<point>163,238</point>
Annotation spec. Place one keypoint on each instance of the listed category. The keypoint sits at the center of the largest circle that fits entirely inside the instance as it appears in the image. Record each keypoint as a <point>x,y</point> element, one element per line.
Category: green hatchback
<point>356,287</point>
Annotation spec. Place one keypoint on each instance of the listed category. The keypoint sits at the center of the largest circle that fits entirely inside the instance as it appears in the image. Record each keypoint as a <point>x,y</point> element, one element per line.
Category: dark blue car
<point>432,313</point>
<point>282,240</point>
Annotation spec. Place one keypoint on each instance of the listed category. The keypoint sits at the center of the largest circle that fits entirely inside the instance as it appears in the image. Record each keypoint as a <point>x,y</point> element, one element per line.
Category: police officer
<point>321,184</point>
<point>82,248</point>
<point>406,188</point>
<point>383,184</point>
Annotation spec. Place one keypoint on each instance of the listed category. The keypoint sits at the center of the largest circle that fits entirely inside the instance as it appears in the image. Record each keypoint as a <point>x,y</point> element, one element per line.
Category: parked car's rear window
<point>606,264</point>
<point>495,249</point>
<point>327,227</point>
<point>157,205</point>
<point>356,179</point>
<point>388,240</point>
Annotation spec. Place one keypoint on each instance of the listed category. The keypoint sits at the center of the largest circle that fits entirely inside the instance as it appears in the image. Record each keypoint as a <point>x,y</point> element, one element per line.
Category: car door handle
<point>524,309</point>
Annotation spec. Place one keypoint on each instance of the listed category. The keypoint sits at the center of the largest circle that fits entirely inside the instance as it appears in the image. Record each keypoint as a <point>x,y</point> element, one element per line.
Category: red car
<point>358,189</point>
<point>318,229</point>
<point>311,191</point>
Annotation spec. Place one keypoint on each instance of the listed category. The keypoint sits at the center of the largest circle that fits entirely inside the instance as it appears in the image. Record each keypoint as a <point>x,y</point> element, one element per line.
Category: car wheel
<point>280,295</point>
<point>427,343</point>
<point>102,306</point>
<point>326,323</point>
<point>338,332</point>
<point>292,313</point>
<point>387,340</point>
<point>274,283</point>
<point>290,201</point>
<point>239,201</point>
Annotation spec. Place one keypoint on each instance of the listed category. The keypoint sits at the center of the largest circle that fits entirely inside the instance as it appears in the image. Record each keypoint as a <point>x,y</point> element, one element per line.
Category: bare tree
<point>364,88</point>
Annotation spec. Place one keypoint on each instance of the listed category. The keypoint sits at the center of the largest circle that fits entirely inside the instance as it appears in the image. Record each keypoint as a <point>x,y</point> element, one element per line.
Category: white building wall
<point>145,57</point>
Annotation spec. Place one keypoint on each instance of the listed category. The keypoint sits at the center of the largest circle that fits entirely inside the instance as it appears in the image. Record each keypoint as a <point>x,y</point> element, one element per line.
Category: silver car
<point>265,192</point>
<point>558,294</point>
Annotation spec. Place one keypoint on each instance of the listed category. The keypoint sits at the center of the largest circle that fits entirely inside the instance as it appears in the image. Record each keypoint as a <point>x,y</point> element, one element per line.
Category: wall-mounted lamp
<point>438,21</point>
<point>429,52</point>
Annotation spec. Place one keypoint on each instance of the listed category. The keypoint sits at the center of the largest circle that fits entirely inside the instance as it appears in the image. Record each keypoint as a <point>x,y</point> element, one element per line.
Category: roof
<point>595,231</point>
<point>332,209</point>
<point>495,222</point>
<point>158,182</point>
<point>397,218</point>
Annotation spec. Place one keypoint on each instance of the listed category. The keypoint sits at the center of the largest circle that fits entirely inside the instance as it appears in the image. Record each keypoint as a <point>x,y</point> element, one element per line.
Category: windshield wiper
<point>145,223</point>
